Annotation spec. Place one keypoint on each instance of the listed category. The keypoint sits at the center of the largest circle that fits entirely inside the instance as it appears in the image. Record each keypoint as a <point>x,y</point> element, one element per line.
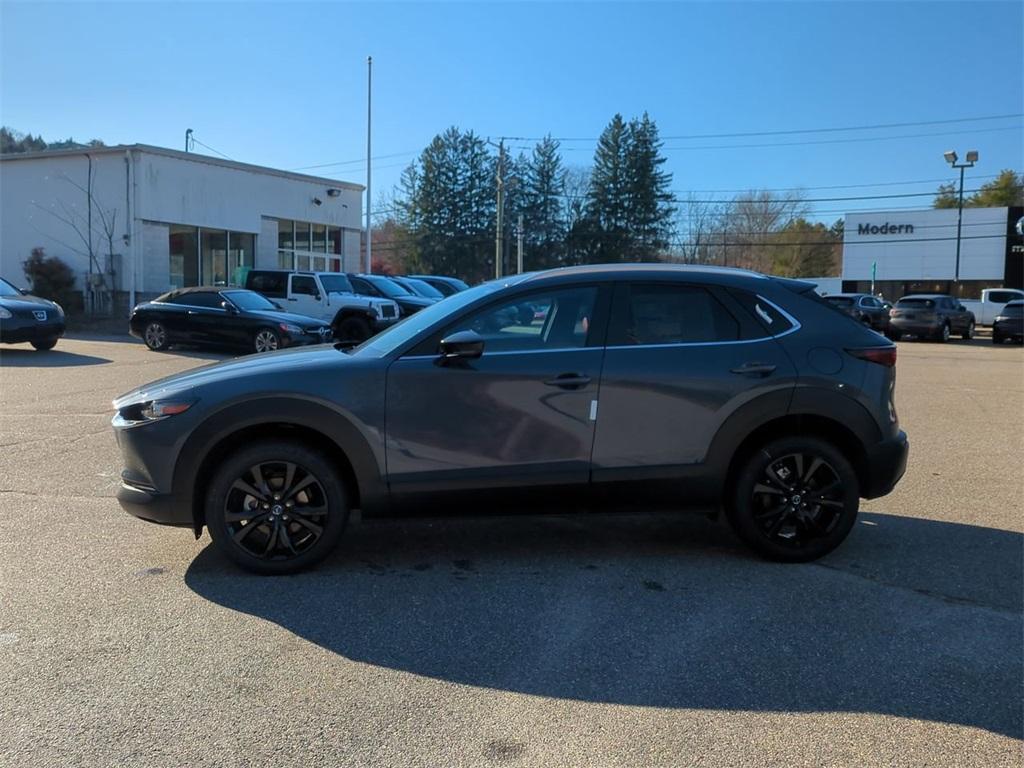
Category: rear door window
<point>665,313</point>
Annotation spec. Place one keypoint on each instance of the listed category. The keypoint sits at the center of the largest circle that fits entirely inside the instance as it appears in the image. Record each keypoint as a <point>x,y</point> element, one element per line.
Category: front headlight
<point>289,328</point>
<point>5,313</point>
<point>149,411</point>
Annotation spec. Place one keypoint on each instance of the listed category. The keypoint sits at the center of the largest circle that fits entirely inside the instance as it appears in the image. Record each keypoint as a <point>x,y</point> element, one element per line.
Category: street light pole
<point>369,226</point>
<point>971,159</point>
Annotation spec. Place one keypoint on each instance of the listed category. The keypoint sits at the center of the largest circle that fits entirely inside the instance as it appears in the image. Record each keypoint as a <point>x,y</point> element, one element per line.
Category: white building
<point>915,251</point>
<point>158,218</point>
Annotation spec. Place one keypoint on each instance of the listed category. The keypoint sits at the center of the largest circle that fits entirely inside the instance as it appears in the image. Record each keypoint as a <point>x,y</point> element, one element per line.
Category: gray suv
<point>704,387</point>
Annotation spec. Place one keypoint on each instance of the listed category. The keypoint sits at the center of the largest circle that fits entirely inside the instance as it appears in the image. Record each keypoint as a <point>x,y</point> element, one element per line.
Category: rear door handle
<point>569,381</point>
<point>755,369</point>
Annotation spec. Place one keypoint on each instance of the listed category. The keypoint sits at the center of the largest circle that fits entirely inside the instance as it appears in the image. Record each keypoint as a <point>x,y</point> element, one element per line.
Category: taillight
<point>882,355</point>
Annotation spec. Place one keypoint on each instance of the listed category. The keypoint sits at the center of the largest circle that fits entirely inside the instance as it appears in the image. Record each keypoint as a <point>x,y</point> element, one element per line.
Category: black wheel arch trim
<point>193,466</point>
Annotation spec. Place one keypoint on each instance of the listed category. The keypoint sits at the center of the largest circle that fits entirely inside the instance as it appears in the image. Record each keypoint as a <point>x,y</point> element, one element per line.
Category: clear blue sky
<point>284,84</point>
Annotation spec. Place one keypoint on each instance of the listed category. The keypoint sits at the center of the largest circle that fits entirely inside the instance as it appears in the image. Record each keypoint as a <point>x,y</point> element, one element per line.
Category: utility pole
<point>519,245</point>
<point>499,231</point>
<point>369,229</point>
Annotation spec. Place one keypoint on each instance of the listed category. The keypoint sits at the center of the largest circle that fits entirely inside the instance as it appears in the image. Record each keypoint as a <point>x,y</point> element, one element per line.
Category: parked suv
<point>933,316</point>
<point>327,296</point>
<point>667,384</point>
<point>864,308</point>
<point>1009,323</point>
<point>385,287</point>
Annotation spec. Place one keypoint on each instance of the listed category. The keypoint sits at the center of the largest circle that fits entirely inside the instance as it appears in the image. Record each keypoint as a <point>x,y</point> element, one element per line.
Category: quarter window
<point>767,316</point>
<point>670,314</point>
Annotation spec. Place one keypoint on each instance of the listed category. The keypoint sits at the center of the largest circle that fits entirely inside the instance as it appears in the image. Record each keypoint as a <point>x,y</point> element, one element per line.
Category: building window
<point>306,246</point>
<point>209,256</point>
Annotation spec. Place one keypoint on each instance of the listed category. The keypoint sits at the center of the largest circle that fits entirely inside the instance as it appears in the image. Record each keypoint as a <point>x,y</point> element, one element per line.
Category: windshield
<point>249,300</point>
<point>388,287</point>
<point>396,336</point>
<point>916,304</point>
<point>840,301</point>
<point>422,289</point>
<point>6,289</point>
<point>336,284</point>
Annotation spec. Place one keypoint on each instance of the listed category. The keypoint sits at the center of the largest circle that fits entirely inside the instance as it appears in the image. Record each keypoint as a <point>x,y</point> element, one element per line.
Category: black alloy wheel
<point>796,499</point>
<point>276,507</point>
<point>155,336</point>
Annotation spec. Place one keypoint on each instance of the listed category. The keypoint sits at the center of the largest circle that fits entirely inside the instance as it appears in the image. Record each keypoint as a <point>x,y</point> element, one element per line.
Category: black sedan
<point>223,317</point>
<point>386,288</point>
<point>24,317</point>
<point>1009,324</point>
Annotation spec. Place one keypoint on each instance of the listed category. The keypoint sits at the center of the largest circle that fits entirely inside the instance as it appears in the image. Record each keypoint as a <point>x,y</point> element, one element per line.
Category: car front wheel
<point>45,344</point>
<point>969,333</point>
<point>266,340</point>
<point>276,507</point>
<point>353,329</point>
<point>944,333</point>
<point>796,499</point>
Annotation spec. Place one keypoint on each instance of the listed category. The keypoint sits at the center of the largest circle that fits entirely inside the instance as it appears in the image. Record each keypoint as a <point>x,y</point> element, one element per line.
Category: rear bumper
<point>914,327</point>
<point>155,507</point>
<point>886,462</point>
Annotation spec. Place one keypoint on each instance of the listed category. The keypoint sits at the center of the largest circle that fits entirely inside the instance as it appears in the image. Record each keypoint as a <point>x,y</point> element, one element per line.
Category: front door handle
<point>569,381</point>
<point>755,369</point>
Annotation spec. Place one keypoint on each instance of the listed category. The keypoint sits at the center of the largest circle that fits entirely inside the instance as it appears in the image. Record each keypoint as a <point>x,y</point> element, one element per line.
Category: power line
<point>216,151</point>
<point>791,132</point>
<point>361,161</point>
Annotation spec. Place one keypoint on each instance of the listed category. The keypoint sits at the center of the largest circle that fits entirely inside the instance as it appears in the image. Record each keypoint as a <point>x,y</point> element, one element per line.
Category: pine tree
<point>606,219</point>
<point>650,209</point>
<point>544,208</point>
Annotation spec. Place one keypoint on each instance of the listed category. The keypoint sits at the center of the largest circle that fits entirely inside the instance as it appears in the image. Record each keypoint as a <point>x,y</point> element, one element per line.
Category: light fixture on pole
<point>969,161</point>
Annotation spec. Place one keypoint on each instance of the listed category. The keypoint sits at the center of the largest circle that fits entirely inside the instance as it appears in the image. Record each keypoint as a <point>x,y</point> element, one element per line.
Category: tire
<point>266,340</point>
<point>996,338</point>
<point>807,530</point>
<point>254,507</point>
<point>894,335</point>
<point>353,329</point>
<point>45,344</point>
<point>156,337</point>
<point>943,333</point>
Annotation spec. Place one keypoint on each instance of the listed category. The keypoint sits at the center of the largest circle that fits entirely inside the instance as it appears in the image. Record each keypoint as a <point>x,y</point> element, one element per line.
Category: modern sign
<point>885,229</point>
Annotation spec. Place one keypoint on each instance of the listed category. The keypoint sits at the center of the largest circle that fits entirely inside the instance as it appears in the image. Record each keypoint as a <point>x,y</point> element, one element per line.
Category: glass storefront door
<point>213,256</point>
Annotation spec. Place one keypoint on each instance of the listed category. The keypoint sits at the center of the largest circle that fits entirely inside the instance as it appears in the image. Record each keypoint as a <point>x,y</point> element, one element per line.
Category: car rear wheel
<point>155,336</point>
<point>45,344</point>
<point>796,499</point>
<point>276,507</point>
<point>266,340</point>
<point>969,333</point>
<point>353,329</point>
<point>996,338</point>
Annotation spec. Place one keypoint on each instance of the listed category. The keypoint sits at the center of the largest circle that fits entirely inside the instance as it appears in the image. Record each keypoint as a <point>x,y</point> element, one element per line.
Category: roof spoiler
<point>796,286</point>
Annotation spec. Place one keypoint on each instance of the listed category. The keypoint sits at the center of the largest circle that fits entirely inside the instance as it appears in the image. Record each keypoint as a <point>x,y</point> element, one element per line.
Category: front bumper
<point>307,337</point>
<point>380,323</point>
<point>885,464</point>
<point>147,504</point>
<point>15,330</point>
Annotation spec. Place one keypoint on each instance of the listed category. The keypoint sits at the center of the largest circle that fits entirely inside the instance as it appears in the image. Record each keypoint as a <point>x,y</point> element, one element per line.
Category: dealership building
<point>902,252</point>
<point>134,221</point>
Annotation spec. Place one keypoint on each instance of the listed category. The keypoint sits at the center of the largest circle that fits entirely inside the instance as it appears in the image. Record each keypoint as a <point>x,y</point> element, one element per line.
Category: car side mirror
<point>231,308</point>
<point>463,345</point>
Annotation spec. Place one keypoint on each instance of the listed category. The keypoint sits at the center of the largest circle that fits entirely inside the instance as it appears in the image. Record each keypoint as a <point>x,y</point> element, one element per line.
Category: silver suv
<point>327,296</point>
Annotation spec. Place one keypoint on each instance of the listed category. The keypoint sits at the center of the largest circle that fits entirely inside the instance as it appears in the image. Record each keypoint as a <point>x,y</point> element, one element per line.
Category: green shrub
<point>52,279</point>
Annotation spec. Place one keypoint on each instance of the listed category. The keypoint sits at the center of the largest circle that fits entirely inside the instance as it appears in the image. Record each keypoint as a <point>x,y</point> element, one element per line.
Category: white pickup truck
<point>991,304</point>
<point>327,296</point>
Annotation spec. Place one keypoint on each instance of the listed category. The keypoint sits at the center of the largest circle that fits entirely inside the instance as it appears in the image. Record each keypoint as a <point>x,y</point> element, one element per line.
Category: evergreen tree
<point>605,223</point>
<point>544,208</point>
<point>650,208</point>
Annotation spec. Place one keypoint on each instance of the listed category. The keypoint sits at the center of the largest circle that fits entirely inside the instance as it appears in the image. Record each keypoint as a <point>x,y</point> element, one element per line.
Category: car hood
<point>418,301</point>
<point>303,321</point>
<point>26,302</point>
<point>300,360</point>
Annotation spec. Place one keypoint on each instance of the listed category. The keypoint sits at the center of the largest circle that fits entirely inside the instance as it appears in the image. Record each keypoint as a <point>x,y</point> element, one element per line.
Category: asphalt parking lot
<point>604,640</point>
